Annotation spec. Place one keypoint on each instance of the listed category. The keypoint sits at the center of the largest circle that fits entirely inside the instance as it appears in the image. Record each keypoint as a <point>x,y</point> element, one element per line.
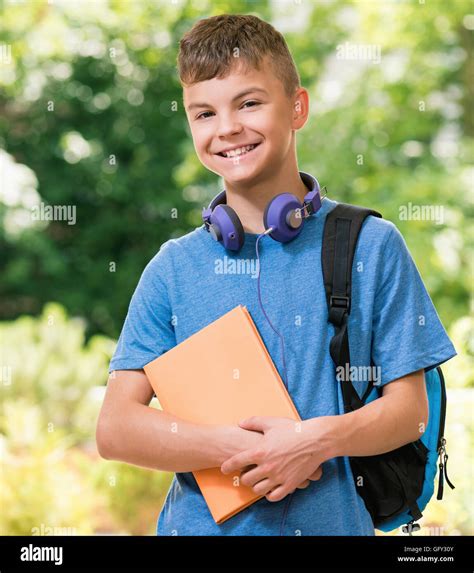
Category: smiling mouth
<point>240,154</point>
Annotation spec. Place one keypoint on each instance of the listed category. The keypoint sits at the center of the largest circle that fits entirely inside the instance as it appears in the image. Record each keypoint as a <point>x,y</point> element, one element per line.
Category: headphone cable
<point>263,310</point>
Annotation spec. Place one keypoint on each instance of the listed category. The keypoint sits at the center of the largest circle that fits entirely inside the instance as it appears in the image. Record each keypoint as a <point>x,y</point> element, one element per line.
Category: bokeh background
<point>91,117</point>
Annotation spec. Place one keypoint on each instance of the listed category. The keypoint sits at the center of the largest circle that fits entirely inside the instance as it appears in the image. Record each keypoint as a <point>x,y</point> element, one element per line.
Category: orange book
<point>221,375</point>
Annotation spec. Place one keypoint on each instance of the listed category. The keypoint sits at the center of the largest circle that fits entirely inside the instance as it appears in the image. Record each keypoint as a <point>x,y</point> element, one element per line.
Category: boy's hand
<point>285,459</point>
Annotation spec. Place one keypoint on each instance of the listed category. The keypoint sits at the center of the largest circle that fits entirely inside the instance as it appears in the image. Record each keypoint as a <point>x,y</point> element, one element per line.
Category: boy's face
<point>263,116</point>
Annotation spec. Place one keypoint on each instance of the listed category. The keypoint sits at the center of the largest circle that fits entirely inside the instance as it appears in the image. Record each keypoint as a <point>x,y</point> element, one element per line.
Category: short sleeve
<point>407,334</point>
<point>147,331</point>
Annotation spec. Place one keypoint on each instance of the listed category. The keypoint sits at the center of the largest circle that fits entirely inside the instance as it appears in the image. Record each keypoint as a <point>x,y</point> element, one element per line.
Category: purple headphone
<point>283,218</point>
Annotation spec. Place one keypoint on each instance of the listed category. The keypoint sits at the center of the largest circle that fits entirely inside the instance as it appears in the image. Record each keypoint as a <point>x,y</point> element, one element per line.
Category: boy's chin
<point>237,176</point>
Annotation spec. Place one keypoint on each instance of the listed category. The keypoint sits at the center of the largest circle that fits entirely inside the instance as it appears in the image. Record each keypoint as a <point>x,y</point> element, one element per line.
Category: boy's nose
<point>228,126</point>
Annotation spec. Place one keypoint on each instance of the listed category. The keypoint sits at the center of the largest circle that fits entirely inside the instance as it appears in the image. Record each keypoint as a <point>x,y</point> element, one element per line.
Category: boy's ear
<point>301,108</point>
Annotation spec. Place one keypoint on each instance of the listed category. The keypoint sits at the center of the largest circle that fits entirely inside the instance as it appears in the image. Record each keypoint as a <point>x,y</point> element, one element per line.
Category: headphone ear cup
<point>236,242</point>
<point>275,216</point>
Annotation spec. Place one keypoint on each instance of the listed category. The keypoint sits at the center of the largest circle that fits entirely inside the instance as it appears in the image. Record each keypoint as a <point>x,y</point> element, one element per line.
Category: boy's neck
<point>249,202</point>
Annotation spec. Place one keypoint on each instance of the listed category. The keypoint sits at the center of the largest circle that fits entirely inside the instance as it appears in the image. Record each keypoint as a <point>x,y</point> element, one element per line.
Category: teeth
<point>239,151</point>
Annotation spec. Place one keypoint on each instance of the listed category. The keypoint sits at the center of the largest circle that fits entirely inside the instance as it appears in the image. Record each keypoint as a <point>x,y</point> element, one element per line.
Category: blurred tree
<point>46,362</point>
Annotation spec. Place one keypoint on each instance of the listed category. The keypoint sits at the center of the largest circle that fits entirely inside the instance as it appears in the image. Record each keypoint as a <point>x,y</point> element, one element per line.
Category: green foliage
<point>48,409</point>
<point>134,496</point>
<point>103,149</point>
<point>49,365</point>
<point>40,487</point>
<point>459,371</point>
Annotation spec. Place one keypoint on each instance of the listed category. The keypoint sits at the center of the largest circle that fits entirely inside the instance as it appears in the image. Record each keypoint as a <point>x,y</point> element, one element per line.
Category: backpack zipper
<point>441,444</point>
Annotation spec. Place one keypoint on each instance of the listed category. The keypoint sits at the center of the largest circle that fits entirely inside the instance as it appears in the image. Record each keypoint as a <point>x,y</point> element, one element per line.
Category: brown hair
<point>208,50</point>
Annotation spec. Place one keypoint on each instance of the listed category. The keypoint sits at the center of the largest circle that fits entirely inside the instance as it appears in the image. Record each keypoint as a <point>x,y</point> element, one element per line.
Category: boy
<point>240,88</point>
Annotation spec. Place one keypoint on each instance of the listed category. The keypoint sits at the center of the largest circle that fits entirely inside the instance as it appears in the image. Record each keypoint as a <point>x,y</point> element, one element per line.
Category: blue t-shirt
<point>193,281</point>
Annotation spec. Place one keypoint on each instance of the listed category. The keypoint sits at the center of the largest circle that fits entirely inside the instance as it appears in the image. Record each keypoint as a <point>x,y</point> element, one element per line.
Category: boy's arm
<point>129,430</point>
<point>398,417</point>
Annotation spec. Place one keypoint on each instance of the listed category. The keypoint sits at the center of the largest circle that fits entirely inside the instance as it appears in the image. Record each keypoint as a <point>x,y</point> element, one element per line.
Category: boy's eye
<point>203,114</point>
<point>254,102</point>
<point>247,102</point>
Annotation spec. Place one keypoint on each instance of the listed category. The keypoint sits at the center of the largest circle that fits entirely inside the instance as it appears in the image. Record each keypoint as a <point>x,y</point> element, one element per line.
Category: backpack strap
<point>341,231</point>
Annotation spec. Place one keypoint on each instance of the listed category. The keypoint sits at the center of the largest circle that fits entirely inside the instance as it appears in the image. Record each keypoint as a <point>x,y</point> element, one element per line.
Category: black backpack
<point>396,485</point>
